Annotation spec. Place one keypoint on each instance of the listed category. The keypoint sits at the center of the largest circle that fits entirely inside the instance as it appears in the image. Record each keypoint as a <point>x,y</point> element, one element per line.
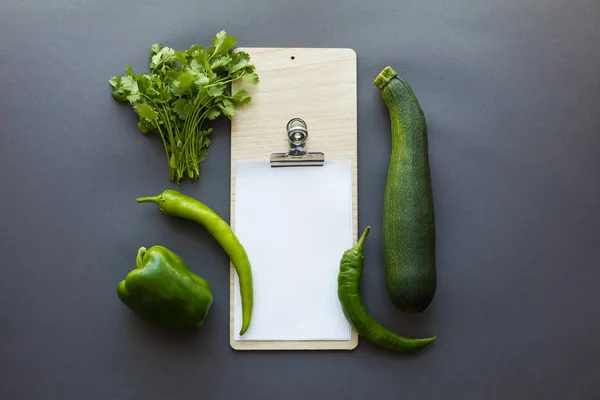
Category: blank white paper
<point>295,223</point>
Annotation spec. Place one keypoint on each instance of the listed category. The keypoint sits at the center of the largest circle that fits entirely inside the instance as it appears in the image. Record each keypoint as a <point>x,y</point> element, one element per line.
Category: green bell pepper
<point>163,290</point>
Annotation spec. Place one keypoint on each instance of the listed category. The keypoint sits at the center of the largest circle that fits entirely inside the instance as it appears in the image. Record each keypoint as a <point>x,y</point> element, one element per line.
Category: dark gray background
<point>511,92</point>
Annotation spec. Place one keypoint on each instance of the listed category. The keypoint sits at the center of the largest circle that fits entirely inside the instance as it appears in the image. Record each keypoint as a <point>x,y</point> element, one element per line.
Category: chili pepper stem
<point>149,199</point>
<point>362,239</point>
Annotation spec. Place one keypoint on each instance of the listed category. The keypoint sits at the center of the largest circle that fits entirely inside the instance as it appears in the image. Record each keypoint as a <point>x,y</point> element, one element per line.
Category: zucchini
<point>408,214</point>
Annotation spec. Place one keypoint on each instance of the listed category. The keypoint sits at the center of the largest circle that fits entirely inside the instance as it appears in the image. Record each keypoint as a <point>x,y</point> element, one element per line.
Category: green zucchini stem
<point>385,77</point>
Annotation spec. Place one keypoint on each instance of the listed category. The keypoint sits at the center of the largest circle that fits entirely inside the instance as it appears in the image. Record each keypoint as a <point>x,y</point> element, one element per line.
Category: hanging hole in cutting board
<point>293,57</point>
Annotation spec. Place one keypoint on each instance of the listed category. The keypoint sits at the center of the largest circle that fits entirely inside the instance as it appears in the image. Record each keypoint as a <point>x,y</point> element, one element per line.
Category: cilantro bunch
<point>180,95</point>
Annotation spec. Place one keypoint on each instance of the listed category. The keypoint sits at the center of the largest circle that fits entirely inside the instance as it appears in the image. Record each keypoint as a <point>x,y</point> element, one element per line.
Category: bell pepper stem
<point>139,260</point>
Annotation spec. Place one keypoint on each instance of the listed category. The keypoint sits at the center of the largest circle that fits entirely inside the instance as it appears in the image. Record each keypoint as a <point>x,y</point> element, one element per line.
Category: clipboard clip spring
<point>297,156</point>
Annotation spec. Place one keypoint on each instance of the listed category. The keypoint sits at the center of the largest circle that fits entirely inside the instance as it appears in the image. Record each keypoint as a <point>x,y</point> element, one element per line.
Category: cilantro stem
<point>226,80</point>
<point>190,128</point>
<point>162,136</point>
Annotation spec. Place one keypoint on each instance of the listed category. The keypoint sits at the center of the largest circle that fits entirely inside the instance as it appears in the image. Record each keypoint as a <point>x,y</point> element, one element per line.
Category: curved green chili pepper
<point>351,267</point>
<point>175,204</point>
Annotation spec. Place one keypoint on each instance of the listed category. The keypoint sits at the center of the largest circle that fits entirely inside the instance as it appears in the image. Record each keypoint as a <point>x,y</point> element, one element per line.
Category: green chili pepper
<point>351,267</point>
<point>175,204</point>
<point>164,291</point>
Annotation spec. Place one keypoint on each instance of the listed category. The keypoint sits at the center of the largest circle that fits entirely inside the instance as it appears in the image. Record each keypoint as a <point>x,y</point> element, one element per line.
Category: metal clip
<point>297,156</point>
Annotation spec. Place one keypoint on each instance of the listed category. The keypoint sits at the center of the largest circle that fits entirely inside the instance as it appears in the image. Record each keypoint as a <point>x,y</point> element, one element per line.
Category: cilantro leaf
<point>180,56</point>
<point>182,107</point>
<point>219,38</point>
<point>145,111</point>
<point>118,92</point>
<point>227,108</point>
<point>156,47</point>
<point>223,43</point>
<point>165,55</point>
<point>202,155</point>
<point>201,58</point>
<point>215,91</point>
<point>201,80</point>
<point>146,86</point>
<point>220,62</point>
<point>183,82</point>
<point>134,97</point>
<point>129,84</point>
<point>193,50</point>
<point>251,78</point>
<point>164,96</point>
<point>240,64</point>
<point>212,113</point>
<point>241,98</point>
<point>145,126</point>
<point>125,88</point>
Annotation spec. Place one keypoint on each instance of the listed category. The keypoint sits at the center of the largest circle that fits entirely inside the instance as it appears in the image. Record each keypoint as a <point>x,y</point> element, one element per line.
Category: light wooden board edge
<point>351,139</point>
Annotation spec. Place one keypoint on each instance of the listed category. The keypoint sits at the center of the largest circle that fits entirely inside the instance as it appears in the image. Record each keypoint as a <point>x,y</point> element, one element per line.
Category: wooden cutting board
<point>319,86</point>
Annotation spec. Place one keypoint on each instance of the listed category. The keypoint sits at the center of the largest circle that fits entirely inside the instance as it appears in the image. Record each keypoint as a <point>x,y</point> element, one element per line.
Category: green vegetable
<point>164,291</point>
<point>351,267</point>
<point>182,92</point>
<point>176,204</point>
<point>408,213</point>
